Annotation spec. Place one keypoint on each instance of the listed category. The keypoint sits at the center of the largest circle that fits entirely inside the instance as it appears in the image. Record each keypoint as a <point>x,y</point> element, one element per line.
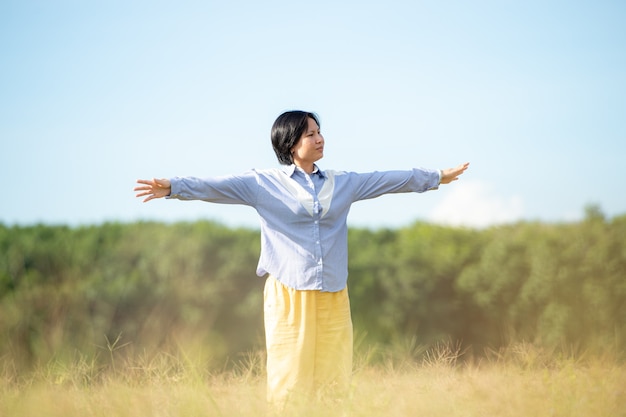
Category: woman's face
<point>310,147</point>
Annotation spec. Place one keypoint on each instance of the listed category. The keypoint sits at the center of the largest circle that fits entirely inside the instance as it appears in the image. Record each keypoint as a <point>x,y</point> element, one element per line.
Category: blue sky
<point>95,94</point>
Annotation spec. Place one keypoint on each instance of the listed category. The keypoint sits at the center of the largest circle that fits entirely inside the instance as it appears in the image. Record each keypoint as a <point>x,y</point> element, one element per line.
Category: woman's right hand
<point>154,188</point>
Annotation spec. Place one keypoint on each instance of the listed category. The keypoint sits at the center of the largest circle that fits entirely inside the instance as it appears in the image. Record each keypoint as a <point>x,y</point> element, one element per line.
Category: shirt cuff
<point>174,188</point>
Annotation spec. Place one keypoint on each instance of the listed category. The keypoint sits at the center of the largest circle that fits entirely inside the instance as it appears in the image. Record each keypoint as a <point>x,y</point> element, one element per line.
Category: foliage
<point>151,285</point>
<point>147,287</point>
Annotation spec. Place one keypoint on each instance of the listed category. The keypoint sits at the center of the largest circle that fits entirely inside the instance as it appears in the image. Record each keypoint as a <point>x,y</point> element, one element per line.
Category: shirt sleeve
<point>375,184</point>
<point>231,189</point>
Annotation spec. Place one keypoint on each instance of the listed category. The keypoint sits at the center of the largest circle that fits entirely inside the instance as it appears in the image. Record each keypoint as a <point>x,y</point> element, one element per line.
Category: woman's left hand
<point>452,174</point>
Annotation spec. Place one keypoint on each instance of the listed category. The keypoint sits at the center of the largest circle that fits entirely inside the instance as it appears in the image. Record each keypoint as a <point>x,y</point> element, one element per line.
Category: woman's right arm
<point>229,189</point>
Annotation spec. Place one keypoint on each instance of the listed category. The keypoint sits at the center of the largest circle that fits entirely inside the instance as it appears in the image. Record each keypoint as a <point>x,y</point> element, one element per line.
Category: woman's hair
<point>287,131</point>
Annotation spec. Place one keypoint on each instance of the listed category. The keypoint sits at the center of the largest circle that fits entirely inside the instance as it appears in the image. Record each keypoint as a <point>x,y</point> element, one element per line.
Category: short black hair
<point>287,131</point>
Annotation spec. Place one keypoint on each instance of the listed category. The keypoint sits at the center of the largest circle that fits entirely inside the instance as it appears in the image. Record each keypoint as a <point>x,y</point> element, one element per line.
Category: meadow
<point>146,319</point>
<point>522,380</point>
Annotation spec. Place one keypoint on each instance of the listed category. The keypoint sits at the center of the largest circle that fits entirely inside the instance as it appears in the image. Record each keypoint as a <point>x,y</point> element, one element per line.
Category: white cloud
<point>475,204</point>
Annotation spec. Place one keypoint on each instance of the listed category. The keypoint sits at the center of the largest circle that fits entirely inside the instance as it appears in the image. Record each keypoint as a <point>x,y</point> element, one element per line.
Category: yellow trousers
<point>309,341</point>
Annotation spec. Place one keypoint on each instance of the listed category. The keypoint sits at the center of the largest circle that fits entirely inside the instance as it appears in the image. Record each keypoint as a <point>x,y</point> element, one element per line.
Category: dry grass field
<point>521,382</point>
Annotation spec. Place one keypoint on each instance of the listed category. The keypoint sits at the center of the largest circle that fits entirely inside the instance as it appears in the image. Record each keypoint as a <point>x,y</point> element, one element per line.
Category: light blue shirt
<point>304,234</point>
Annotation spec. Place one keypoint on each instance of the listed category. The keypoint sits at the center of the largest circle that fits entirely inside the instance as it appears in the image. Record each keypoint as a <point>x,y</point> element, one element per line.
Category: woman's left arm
<point>377,183</point>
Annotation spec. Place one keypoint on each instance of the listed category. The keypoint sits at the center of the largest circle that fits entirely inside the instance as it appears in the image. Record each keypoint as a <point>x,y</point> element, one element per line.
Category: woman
<point>304,254</point>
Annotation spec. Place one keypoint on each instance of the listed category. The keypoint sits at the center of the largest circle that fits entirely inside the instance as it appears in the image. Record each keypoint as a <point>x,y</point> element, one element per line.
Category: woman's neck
<point>308,168</point>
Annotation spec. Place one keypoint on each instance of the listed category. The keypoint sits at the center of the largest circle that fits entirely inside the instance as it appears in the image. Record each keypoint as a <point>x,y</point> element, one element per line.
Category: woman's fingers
<point>152,189</point>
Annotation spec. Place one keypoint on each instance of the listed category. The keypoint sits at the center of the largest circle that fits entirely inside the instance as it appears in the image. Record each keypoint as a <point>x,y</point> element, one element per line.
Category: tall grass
<point>411,381</point>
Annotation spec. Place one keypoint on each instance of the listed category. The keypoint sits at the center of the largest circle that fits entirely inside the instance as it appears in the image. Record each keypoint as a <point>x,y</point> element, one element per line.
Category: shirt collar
<point>291,169</point>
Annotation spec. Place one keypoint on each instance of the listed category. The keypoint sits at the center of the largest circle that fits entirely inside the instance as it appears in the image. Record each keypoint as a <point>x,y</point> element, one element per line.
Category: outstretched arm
<point>154,188</point>
<point>452,174</point>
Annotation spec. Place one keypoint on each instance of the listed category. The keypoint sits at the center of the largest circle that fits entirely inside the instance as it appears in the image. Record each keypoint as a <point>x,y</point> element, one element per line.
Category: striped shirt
<point>304,232</point>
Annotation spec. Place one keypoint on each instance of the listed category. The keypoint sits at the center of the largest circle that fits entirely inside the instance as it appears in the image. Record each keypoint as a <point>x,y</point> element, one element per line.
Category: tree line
<point>150,286</point>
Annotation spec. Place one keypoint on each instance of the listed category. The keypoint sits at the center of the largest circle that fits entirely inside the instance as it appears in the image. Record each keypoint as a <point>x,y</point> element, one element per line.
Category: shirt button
<point>317,242</point>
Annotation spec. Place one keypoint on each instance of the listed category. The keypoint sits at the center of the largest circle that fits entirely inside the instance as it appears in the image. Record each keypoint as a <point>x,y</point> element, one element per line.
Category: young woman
<point>304,253</point>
